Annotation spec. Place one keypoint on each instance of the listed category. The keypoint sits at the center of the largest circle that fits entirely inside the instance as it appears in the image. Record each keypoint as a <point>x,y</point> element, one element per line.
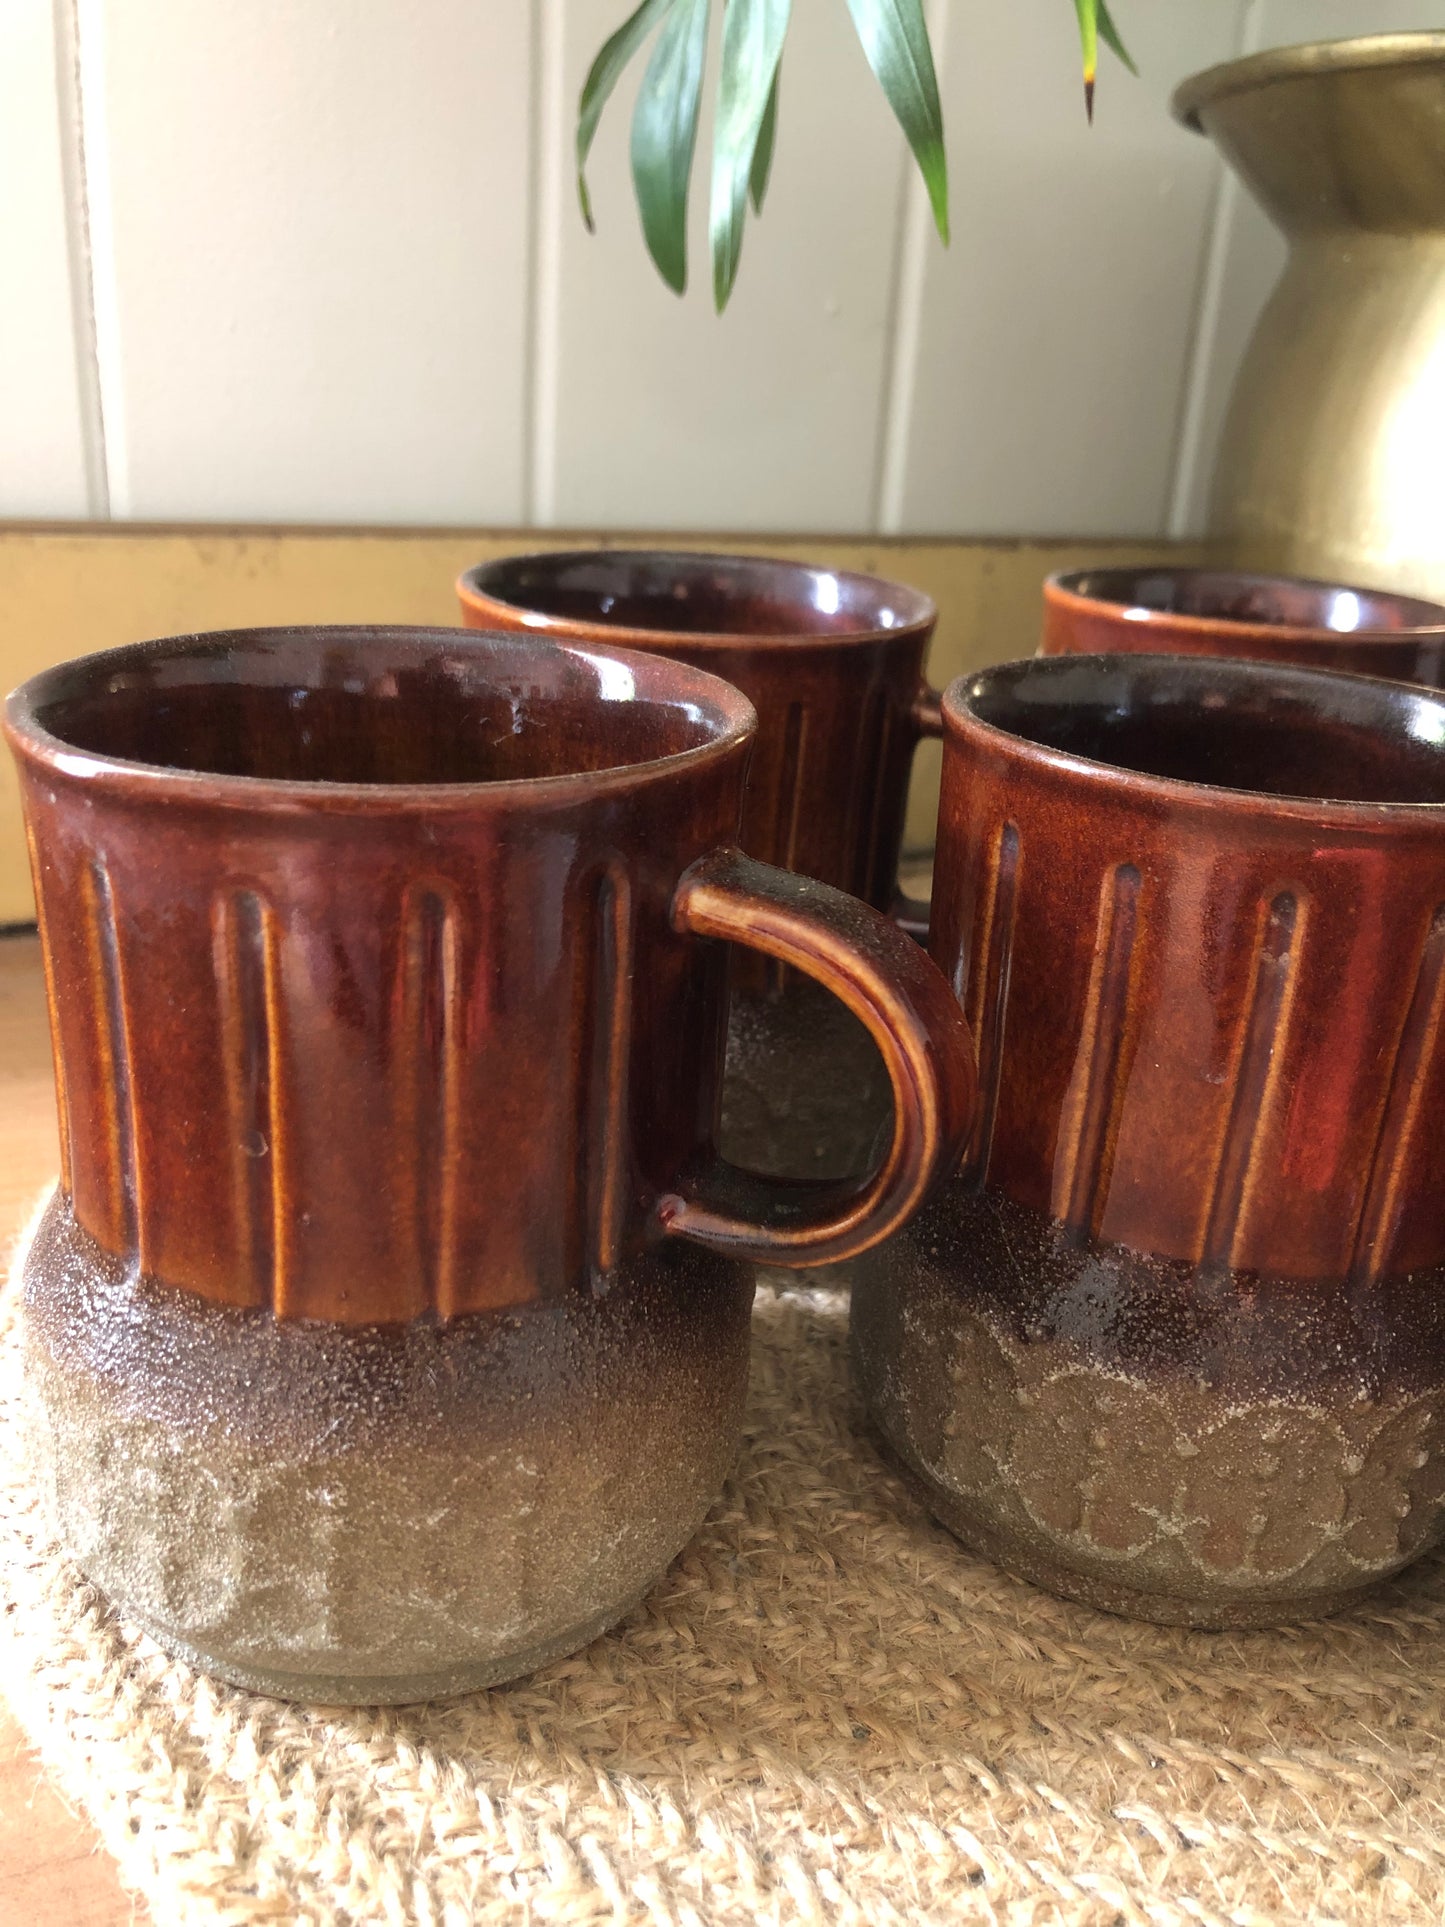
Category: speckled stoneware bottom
<point>1132,1433</point>
<point>369,1514</point>
<point>805,1096</point>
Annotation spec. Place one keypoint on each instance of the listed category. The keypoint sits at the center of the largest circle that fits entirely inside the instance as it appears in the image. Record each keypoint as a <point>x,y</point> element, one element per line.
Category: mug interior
<point>1299,733</point>
<point>671,592</point>
<point>1268,601</point>
<point>365,706</point>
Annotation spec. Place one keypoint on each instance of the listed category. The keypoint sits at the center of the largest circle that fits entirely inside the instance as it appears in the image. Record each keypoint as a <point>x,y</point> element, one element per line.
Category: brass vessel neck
<point>1339,135</point>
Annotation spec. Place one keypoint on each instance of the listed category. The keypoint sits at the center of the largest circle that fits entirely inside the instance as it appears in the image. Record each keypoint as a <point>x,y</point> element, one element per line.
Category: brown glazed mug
<point>1261,618</point>
<point>833,664</point>
<point>1172,1341</point>
<point>386,1335</point>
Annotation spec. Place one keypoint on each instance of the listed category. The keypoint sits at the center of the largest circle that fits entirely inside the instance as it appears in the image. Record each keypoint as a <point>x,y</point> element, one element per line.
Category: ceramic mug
<point>1173,1340</point>
<point>386,1335</point>
<point>833,664</point>
<point>1264,618</point>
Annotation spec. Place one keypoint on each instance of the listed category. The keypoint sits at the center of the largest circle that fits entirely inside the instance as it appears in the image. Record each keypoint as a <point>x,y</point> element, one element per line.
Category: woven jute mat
<point>826,1711</point>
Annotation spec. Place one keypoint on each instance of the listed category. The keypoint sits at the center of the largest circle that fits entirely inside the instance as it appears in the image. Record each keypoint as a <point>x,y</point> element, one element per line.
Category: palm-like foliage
<point>894,36</point>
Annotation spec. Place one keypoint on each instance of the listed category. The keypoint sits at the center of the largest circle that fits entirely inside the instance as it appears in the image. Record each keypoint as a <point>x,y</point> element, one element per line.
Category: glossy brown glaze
<point>833,663</point>
<point>1261,618</point>
<point>385,1337</point>
<point>1196,914</point>
<point>374,974</point>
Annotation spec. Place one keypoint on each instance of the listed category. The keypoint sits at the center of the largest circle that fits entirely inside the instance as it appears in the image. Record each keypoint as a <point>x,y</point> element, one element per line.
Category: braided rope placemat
<point>826,1711</point>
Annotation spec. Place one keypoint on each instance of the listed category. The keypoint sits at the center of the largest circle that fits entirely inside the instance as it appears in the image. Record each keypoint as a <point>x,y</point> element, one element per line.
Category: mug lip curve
<point>1176,791</point>
<point>1061,589</point>
<point>472,594</point>
<point>1302,59</point>
<point>29,737</point>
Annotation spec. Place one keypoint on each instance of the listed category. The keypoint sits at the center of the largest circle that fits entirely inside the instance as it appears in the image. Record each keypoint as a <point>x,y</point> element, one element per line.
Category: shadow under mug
<point>1173,1340</point>
<point>833,664</point>
<point>386,1335</point>
<point>1154,610</point>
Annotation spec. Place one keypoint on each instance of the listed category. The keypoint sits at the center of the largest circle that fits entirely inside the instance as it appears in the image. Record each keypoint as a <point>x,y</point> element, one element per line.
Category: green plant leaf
<point>1088,12</point>
<point>1096,23</point>
<point>602,77</point>
<point>1113,40</point>
<point>664,134</point>
<point>752,44</point>
<point>895,39</point>
<point>763,153</point>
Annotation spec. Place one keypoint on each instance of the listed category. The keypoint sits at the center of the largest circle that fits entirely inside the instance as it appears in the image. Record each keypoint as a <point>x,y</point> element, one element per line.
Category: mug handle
<point>926,716</point>
<point>892,986</point>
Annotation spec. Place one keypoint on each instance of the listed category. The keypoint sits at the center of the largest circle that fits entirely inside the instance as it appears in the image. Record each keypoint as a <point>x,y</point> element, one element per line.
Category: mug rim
<point>1061,589</point>
<point>961,721</point>
<point>736,720</point>
<point>473,595</point>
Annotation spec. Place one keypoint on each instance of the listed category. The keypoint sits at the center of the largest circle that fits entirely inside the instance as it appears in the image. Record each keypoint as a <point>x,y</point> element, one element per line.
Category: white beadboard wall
<point>310,261</point>
<point>46,354</point>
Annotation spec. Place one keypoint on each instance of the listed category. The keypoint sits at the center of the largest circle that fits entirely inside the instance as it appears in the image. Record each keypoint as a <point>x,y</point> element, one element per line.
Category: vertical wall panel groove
<point>81,257</point>
<point>95,150</point>
<point>1218,335</point>
<point>916,233</point>
<point>1208,302</point>
<point>42,355</point>
<point>549,206</point>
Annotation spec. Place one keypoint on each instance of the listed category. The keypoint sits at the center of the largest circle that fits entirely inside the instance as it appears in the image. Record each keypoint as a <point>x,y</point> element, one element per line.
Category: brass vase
<point>1330,463</point>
